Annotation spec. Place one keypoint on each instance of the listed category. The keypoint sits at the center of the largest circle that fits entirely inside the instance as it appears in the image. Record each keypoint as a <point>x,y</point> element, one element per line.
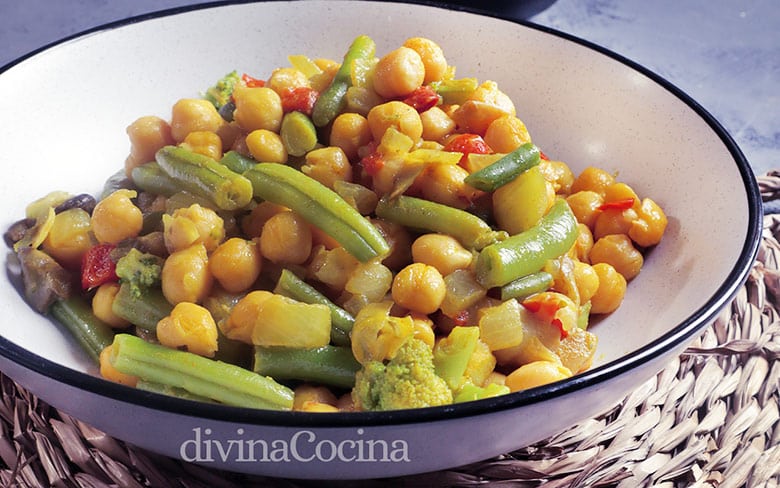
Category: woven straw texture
<point>710,419</point>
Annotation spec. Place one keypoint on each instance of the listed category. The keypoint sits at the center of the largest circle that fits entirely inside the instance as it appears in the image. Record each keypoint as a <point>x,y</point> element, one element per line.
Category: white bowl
<point>64,113</point>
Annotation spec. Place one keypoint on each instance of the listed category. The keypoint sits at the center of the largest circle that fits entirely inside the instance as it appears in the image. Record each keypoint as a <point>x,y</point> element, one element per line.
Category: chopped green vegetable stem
<point>328,365</point>
<point>526,253</point>
<point>320,206</point>
<point>331,101</point>
<point>76,315</point>
<point>223,382</point>
<point>417,213</point>
<point>505,169</point>
<point>237,162</point>
<point>204,176</point>
<point>143,311</point>
<point>526,286</point>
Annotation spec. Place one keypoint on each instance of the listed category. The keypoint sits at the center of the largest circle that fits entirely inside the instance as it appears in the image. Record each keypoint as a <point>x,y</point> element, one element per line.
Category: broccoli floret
<point>219,94</point>
<point>139,270</point>
<point>408,380</point>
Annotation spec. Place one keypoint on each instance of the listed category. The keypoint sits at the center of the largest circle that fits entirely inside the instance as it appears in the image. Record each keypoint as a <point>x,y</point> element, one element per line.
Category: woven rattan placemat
<point>709,419</point>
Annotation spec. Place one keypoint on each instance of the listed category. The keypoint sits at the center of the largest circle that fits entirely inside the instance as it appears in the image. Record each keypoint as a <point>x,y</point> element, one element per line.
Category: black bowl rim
<point>678,336</point>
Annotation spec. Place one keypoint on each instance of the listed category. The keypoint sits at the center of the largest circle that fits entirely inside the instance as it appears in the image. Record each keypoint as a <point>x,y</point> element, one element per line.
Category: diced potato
<point>282,321</point>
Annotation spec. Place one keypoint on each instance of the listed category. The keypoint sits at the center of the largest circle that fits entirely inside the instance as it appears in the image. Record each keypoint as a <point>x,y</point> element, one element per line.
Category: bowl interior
<point>64,129</point>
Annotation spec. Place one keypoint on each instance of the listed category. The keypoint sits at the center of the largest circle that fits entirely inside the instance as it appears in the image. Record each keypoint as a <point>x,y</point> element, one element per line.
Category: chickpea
<point>585,205</point>
<point>193,225</point>
<point>109,372</point>
<point>102,306</point>
<point>186,276</point>
<point>506,133</point>
<point>432,58</point>
<point>283,79</point>
<point>476,116</point>
<point>252,224</point>
<point>423,329</point>
<point>266,146</point>
<point>350,131</point>
<point>399,73</point>
<point>648,229</point>
<point>489,93</point>
<point>328,165</point>
<point>441,251</point>
<point>286,238</point>
<point>116,217</point>
<point>191,327</point>
<point>69,237</point>
<point>559,174</point>
<point>194,114</point>
<point>204,142</point>
<point>436,124</point>
<point>361,99</point>
<point>236,264</point>
<point>618,251</point>
<point>147,135</point>
<point>584,243</point>
<point>241,322</point>
<point>620,191</point>
<point>611,290</point>
<point>586,279</point>
<point>593,179</point>
<point>395,114</point>
<point>444,183</point>
<point>614,221</point>
<point>419,288</point>
<point>536,373</point>
<point>257,108</point>
<point>311,394</point>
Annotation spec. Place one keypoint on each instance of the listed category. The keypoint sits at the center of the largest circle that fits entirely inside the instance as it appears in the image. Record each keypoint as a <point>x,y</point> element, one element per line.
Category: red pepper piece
<point>467,144</point>
<point>422,99</point>
<point>372,163</point>
<point>547,310</point>
<point>300,99</point>
<point>97,267</point>
<point>624,204</point>
<point>252,82</point>
<point>462,318</point>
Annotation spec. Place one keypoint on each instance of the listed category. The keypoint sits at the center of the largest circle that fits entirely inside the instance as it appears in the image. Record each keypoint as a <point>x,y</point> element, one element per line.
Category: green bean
<point>328,365</point>
<point>233,351</point>
<point>144,311</point>
<point>297,133</point>
<point>320,206</point>
<point>170,391</point>
<point>505,169</point>
<point>526,253</point>
<point>206,177</point>
<point>422,214</point>
<point>76,315</point>
<point>223,382</point>
<point>332,101</point>
<point>526,286</point>
<point>151,178</point>
<point>454,91</point>
<point>237,162</point>
<point>293,287</point>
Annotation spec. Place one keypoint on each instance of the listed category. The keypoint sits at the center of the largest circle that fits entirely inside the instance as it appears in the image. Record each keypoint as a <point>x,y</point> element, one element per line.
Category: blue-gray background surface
<point>725,54</point>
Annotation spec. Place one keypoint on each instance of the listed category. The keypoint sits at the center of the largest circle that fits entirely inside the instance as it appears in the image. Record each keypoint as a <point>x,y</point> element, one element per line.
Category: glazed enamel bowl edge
<point>582,104</point>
